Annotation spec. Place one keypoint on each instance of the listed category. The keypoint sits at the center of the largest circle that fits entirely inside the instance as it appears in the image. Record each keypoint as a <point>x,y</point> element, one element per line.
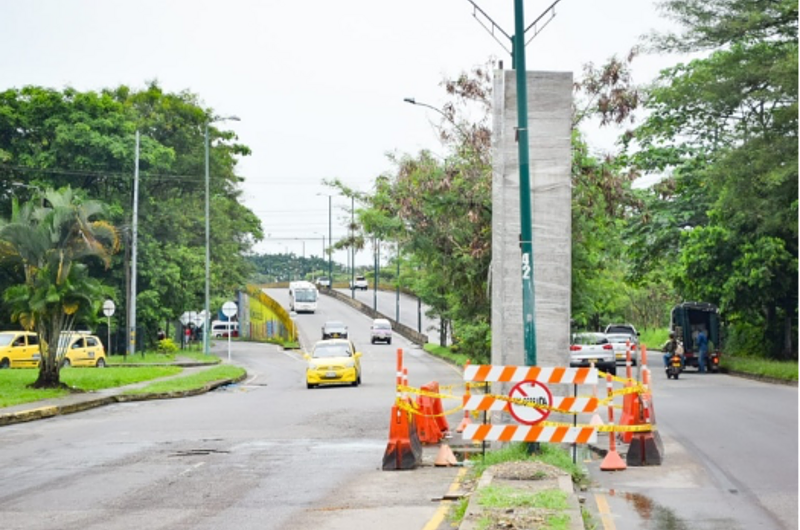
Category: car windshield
<point>332,350</point>
<point>5,340</point>
<point>382,325</point>
<point>590,338</point>
<point>306,295</point>
<point>619,339</point>
<point>334,325</point>
<point>619,329</point>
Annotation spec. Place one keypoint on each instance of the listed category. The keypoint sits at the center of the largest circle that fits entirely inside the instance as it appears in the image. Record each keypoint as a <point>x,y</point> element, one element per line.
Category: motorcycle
<point>674,366</point>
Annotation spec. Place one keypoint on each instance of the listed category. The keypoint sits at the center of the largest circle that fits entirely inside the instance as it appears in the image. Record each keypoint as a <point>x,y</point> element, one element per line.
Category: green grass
<point>14,383</point>
<point>150,357</point>
<point>191,382</point>
<point>459,359</point>
<point>493,496</point>
<point>654,338</point>
<point>781,370</point>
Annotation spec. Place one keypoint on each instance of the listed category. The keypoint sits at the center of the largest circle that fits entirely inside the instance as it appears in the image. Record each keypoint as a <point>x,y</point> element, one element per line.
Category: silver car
<point>381,331</point>
<point>592,348</point>
<point>620,343</point>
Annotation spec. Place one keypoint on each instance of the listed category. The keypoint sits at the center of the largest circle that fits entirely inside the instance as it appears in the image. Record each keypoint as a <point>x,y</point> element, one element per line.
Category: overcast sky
<point>318,85</point>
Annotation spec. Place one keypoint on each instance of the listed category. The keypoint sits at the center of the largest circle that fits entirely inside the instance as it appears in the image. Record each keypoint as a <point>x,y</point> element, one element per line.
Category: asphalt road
<point>411,312</point>
<point>265,454</point>
<point>730,459</point>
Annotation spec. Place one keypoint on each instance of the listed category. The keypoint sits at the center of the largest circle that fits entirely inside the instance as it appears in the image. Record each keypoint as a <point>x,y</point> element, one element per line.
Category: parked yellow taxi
<point>19,349</point>
<point>333,361</point>
<point>81,349</point>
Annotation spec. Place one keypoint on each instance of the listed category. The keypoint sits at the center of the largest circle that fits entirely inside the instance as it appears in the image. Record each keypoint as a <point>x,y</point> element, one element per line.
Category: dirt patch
<point>527,470</point>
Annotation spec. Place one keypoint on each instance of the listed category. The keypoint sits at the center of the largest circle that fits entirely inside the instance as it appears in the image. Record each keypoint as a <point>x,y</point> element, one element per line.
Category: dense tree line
<point>52,139</point>
<point>720,226</point>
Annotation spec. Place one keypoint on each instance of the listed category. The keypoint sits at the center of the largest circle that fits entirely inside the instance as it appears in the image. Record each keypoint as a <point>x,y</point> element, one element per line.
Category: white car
<point>620,343</point>
<point>589,348</point>
<point>360,283</point>
<point>323,282</point>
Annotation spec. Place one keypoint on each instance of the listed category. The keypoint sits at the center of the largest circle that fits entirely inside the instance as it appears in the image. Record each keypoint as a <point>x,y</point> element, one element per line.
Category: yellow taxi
<point>332,362</point>
<point>81,349</point>
<point>19,349</point>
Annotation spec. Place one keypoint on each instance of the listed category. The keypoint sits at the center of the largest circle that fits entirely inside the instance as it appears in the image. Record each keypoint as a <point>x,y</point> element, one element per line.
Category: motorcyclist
<point>669,348</point>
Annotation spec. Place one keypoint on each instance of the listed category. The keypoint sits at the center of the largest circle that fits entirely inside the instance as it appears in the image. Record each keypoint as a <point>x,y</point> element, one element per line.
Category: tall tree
<point>47,243</point>
<point>724,129</point>
<point>86,139</point>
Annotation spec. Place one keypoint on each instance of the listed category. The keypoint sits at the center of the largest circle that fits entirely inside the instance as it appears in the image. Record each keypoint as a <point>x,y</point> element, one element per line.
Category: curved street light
<point>207,316</point>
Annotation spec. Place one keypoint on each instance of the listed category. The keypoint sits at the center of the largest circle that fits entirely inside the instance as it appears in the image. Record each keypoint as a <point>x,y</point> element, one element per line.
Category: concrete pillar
<point>550,124</point>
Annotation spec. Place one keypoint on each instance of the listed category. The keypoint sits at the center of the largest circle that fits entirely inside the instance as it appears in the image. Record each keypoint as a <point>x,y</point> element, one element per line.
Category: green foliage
<point>167,346</point>
<point>51,138</point>
<point>746,339</point>
<point>723,128</point>
<point>778,370</point>
<point>47,242</point>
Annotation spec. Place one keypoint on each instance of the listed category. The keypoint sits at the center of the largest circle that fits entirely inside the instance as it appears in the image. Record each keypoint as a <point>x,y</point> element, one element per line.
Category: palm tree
<point>45,239</point>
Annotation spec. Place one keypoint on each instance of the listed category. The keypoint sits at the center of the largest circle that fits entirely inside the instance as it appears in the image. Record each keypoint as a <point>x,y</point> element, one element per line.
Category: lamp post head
<point>410,100</point>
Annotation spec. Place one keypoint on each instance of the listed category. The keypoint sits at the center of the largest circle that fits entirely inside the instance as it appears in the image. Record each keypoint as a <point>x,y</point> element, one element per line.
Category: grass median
<point>15,384</point>
<point>191,382</point>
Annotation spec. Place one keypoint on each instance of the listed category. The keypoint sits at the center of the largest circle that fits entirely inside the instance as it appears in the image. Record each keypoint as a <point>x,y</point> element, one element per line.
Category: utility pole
<point>526,222</point>
<point>134,237</point>
<point>526,217</point>
<point>330,242</point>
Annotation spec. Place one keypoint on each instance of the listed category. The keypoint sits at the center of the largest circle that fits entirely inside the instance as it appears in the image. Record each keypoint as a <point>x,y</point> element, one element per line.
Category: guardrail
<point>407,332</point>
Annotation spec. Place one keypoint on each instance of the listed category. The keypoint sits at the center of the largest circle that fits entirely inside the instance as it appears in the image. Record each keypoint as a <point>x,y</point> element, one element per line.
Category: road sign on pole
<point>108,310</point>
<point>229,309</point>
<point>533,392</point>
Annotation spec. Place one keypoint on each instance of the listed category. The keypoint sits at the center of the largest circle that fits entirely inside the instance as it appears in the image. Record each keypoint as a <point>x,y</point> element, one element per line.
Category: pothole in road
<point>200,452</point>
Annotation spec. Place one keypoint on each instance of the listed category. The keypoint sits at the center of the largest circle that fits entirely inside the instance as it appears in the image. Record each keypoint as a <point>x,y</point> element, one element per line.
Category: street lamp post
<point>330,242</point>
<point>207,307</point>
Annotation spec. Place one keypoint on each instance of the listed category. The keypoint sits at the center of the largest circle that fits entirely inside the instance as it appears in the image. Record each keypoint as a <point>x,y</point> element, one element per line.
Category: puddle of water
<point>659,517</point>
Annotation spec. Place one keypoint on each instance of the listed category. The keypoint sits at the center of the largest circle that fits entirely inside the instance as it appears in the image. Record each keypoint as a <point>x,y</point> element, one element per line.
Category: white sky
<point>318,85</point>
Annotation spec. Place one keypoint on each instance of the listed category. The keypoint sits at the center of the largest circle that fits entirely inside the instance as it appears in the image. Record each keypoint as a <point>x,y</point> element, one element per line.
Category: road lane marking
<point>190,469</point>
<point>444,507</point>
<point>605,511</point>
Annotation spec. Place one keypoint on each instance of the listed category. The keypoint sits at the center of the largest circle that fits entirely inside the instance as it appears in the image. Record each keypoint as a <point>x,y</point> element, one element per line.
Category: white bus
<point>303,297</point>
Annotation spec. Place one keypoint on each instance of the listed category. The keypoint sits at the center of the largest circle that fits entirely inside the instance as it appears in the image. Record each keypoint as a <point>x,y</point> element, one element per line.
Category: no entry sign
<point>532,392</point>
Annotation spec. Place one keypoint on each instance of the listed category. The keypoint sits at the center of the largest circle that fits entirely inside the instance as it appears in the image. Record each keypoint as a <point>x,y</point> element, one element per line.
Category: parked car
<point>380,331</point>
<point>81,349</point>
<point>360,283</point>
<point>19,349</point>
<point>592,348</point>
<point>334,329</point>
<point>333,362</point>
<point>620,343</point>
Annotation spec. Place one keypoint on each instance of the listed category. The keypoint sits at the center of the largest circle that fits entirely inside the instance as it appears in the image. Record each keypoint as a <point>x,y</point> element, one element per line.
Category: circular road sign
<point>535,393</point>
<point>229,309</point>
<point>108,308</point>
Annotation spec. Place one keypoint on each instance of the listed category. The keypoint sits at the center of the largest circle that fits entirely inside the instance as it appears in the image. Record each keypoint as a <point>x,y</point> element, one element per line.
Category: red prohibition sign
<point>534,392</point>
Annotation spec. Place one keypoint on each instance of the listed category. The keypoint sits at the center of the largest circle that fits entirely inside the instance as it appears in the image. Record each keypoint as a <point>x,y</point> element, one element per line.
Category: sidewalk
<point>77,402</point>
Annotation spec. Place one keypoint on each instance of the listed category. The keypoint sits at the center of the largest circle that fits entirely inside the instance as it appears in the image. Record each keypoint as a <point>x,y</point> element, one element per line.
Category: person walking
<point>702,351</point>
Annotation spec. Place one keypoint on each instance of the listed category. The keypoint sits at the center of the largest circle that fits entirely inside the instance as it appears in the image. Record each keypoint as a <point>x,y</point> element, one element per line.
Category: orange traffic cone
<point>445,457</point>
<point>612,461</point>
